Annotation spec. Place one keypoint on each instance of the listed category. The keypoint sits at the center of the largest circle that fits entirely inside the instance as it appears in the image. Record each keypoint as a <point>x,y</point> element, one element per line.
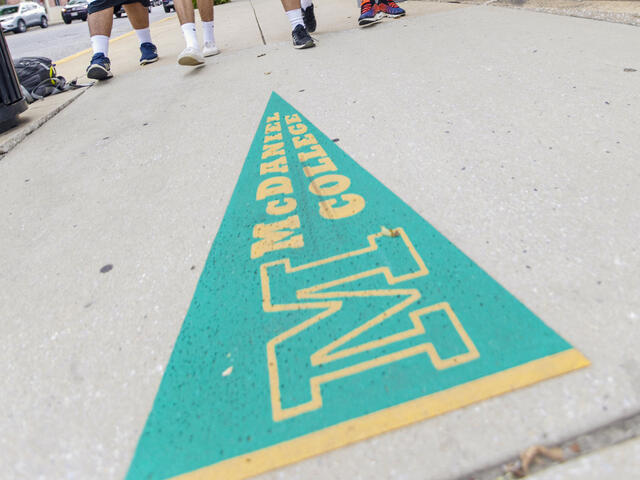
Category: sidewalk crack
<point>257,22</point>
<point>575,446</point>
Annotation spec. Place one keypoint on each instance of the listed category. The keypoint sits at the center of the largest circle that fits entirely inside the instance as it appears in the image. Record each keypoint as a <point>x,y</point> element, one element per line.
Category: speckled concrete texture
<point>514,133</point>
<point>37,114</point>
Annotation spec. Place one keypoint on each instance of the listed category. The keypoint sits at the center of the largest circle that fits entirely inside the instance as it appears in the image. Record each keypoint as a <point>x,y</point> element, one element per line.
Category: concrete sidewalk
<point>512,132</point>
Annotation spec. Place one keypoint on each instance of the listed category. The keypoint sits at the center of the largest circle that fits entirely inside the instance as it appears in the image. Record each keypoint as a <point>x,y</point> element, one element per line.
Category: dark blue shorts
<point>98,5</point>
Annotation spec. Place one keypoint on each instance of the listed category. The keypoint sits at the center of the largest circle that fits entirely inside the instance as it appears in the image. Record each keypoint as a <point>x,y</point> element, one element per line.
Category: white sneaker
<point>209,49</point>
<point>190,56</point>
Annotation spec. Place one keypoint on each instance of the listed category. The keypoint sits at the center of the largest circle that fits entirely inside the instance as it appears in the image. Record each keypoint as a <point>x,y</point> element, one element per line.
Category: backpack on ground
<point>38,79</point>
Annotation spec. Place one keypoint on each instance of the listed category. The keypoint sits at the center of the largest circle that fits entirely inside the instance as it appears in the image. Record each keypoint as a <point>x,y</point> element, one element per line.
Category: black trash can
<point>12,101</point>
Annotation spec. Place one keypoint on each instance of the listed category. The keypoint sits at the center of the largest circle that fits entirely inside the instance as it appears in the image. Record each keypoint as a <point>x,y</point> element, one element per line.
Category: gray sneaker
<point>301,38</point>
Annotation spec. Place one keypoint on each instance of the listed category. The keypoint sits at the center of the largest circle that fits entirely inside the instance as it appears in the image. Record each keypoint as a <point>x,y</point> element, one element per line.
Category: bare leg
<point>100,23</point>
<point>184,9</point>
<point>139,18</point>
<point>138,15</point>
<point>299,33</point>
<point>205,8</point>
<point>290,5</point>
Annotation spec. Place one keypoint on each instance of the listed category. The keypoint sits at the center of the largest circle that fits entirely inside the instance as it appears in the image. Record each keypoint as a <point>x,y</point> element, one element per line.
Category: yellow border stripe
<point>88,50</point>
<point>351,431</point>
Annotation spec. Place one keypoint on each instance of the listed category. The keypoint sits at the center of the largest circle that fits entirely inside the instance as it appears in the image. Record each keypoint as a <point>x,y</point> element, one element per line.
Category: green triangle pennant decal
<point>328,311</point>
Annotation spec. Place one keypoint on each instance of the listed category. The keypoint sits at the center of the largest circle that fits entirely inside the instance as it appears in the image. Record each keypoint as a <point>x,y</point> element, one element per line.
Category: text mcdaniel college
<point>335,200</point>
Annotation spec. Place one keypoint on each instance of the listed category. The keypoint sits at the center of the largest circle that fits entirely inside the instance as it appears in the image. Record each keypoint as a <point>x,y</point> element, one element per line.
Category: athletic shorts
<point>98,5</point>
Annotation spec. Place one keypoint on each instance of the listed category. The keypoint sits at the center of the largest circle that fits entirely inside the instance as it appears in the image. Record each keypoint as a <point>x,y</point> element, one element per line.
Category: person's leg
<point>290,4</point>
<point>205,9</point>
<point>294,12</point>
<point>100,24</point>
<point>184,9</point>
<point>301,38</point>
<point>100,20</point>
<point>138,14</point>
<point>191,55</point>
<point>308,16</point>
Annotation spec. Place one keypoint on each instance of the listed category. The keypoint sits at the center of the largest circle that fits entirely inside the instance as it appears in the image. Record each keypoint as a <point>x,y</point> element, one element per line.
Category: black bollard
<point>12,101</point>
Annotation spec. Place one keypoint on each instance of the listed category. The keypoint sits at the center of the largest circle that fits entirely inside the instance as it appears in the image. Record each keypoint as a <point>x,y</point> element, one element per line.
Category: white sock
<point>100,44</point>
<point>306,3</point>
<point>144,35</point>
<point>207,32</point>
<point>189,32</point>
<point>295,17</point>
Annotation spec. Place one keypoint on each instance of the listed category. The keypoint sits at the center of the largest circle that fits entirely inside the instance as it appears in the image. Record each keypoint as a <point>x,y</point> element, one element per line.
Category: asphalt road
<point>61,40</point>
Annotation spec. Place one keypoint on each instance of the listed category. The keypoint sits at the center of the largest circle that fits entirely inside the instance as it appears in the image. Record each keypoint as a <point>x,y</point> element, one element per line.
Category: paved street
<point>61,40</point>
<point>410,253</point>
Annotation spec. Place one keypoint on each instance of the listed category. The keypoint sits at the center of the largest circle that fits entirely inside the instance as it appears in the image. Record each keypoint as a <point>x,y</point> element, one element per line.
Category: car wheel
<point>84,19</point>
<point>44,23</point>
<point>21,27</point>
<point>118,15</point>
<point>167,9</point>
<point>66,20</point>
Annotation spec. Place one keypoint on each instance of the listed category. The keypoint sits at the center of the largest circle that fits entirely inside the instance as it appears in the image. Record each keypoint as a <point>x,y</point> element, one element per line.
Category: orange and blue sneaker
<point>389,8</point>
<point>369,13</point>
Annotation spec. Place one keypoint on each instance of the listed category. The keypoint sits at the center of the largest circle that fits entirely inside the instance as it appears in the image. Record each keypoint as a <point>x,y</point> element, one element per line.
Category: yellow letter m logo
<point>334,340</point>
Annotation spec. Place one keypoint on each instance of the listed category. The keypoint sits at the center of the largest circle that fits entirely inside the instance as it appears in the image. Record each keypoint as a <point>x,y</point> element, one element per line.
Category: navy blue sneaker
<point>99,68</point>
<point>149,53</point>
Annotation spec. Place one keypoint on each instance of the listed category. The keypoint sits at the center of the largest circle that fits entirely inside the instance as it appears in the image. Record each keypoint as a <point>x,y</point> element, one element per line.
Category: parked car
<point>168,5</point>
<point>75,9</point>
<point>18,17</point>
